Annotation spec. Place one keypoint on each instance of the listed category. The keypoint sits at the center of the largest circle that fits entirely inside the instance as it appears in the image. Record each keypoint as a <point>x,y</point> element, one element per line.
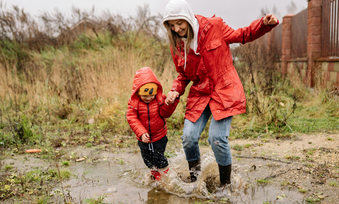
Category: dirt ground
<point>293,169</point>
<point>308,163</point>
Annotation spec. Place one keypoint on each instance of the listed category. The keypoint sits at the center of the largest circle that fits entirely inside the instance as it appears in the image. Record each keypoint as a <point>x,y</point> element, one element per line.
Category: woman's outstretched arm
<point>252,32</point>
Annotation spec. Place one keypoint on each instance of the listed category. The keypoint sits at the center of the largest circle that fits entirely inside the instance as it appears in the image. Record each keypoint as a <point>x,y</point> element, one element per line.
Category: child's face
<point>147,99</point>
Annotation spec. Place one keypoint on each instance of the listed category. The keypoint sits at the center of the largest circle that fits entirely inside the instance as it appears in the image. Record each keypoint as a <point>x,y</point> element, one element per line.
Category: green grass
<point>292,157</point>
<point>310,159</point>
<point>32,183</point>
<point>65,163</point>
<point>315,112</point>
<point>265,140</point>
<point>263,181</point>
<point>248,145</point>
<point>302,190</point>
<point>310,151</point>
<point>237,147</point>
<point>309,125</point>
<point>120,161</point>
<point>8,167</point>
<point>97,200</point>
<point>312,200</point>
<point>333,184</point>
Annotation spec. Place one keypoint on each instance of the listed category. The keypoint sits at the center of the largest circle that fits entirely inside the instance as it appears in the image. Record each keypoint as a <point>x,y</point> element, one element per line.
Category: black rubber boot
<point>225,174</point>
<point>225,188</point>
<point>195,168</point>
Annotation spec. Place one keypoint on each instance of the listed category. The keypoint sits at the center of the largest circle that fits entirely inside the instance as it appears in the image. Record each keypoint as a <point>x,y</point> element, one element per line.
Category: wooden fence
<point>277,41</point>
<point>308,44</point>
<point>299,35</point>
<point>330,28</point>
<point>299,29</point>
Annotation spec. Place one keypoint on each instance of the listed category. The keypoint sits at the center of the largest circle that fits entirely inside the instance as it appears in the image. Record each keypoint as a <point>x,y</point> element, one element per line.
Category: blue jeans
<point>218,138</point>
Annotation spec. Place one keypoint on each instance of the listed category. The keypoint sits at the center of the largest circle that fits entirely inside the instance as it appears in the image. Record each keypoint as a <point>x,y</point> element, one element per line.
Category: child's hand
<point>145,138</point>
<point>171,96</point>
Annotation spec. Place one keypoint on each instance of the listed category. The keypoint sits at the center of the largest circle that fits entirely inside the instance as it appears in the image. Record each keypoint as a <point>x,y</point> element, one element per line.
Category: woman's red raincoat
<point>215,80</point>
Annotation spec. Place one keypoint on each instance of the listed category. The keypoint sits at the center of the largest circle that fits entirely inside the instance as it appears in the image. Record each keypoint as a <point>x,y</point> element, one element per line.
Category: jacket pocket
<point>227,96</point>
<point>192,99</point>
<point>214,44</point>
<point>230,93</point>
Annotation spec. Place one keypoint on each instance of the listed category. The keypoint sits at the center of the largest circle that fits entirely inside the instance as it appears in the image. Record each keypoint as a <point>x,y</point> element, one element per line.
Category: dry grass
<point>90,77</point>
<point>76,77</point>
<point>106,75</point>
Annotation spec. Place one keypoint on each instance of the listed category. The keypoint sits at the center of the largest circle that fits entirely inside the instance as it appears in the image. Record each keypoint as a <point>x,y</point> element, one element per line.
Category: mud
<point>271,171</point>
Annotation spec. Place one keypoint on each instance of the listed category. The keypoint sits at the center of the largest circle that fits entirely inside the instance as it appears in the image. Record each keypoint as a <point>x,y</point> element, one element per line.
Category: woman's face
<point>179,26</point>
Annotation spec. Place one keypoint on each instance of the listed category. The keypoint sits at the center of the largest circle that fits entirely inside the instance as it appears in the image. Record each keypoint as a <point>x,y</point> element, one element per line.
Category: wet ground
<point>273,171</point>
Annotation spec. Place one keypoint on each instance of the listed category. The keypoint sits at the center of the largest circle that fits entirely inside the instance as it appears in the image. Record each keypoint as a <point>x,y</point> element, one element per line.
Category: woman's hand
<point>270,19</point>
<point>171,96</point>
<point>145,138</point>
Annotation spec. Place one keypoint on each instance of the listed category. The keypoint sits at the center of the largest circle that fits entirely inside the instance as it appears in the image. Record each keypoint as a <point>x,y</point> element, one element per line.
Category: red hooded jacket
<point>148,118</point>
<point>215,80</point>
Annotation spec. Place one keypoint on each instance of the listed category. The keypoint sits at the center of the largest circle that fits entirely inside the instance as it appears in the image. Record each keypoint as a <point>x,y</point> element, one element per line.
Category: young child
<point>146,115</point>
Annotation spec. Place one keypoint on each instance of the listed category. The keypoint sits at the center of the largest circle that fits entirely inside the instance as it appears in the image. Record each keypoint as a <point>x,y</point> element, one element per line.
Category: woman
<point>201,54</point>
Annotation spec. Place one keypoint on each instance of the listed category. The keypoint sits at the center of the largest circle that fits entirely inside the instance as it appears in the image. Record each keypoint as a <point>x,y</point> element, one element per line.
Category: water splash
<point>177,180</point>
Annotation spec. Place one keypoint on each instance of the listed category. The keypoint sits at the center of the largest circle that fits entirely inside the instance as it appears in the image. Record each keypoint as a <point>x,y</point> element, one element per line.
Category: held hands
<point>171,96</point>
<point>270,19</point>
<point>145,138</point>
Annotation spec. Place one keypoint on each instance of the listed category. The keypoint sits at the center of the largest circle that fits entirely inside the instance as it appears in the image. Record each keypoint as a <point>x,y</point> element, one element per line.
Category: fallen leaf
<point>81,159</point>
<point>33,150</point>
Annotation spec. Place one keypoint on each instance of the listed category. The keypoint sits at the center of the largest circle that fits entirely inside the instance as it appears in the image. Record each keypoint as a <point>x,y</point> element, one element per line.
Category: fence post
<point>314,29</point>
<point>286,42</point>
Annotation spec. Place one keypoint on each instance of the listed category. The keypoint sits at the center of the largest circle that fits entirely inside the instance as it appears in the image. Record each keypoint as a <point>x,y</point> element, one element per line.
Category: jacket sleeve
<point>247,34</point>
<point>134,122</point>
<point>167,110</point>
<point>179,84</point>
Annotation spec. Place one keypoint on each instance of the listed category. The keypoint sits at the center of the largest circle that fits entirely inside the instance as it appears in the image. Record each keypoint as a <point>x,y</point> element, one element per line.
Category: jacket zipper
<point>149,123</point>
<point>164,122</point>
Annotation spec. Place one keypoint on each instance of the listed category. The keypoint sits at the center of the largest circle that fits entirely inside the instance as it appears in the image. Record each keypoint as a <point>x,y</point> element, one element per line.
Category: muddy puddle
<point>121,177</point>
<point>260,174</point>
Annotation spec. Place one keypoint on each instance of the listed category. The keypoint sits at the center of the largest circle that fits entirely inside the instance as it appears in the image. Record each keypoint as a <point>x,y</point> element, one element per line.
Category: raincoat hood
<point>179,9</point>
<point>143,76</point>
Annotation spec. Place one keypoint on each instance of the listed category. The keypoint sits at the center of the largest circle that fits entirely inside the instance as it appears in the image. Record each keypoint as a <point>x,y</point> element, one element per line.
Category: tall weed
<point>277,104</point>
<point>268,104</point>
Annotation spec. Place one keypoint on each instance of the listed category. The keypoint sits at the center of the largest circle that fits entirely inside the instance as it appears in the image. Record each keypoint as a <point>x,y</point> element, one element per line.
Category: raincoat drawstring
<point>150,147</point>
<point>185,54</point>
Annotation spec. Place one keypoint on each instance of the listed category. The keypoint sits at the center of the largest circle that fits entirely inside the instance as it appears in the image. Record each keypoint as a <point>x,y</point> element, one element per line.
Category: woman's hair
<point>174,38</point>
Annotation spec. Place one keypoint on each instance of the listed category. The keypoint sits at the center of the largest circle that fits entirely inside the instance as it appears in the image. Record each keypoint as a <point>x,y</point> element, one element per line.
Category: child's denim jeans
<point>218,138</point>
